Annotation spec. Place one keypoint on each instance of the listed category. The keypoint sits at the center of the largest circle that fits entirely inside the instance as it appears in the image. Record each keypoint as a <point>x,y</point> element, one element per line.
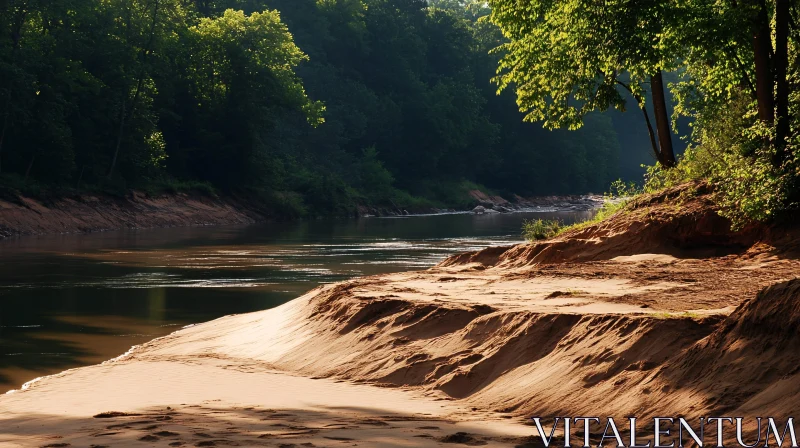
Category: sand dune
<point>463,353</point>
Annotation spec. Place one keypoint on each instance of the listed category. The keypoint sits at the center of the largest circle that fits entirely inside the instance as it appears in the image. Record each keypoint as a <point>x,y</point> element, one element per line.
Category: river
<point>73,300</point>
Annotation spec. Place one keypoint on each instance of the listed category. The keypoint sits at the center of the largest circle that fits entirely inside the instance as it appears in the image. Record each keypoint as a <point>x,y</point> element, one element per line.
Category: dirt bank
<point>21,215</point>
<point>662,310</point>
<point>89,213</point>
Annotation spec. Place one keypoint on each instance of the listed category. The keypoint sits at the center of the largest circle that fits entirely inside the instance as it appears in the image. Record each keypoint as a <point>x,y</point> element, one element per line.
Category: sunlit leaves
<point>255,50</point>
<point>564,58</point>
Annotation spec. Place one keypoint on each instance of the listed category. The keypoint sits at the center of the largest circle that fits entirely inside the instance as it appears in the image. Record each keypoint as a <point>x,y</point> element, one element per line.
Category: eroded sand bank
<point>589,324</point>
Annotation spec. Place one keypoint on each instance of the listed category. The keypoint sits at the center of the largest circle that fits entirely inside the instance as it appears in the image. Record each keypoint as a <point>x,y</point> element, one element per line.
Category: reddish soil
<point>87,213</point>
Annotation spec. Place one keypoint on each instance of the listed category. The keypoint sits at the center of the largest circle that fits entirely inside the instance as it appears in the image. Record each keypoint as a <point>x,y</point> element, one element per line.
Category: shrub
<point>174,186</point>
<point>375,180</point>
<point>732,157</point>
<point>540,229</point>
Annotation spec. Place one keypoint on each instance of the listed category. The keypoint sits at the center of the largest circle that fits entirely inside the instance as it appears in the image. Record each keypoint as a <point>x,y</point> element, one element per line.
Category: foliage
<point>561,61</point>
<point>375,180</point>
<point>314,106</point>
<point>607,210</point>
<point>735,66</point>
<point>621,190</point>
<point>614,201</point>
<point>173,186</point>
<point>747,186</point>
<point>540,229</point>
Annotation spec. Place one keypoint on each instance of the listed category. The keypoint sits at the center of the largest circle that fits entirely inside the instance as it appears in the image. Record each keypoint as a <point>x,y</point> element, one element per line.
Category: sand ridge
<point>473,346</point>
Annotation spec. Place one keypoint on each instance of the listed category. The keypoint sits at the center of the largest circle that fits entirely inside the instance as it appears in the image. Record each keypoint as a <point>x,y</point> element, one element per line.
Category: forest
<point>316,106</point>
<point>313,106</point>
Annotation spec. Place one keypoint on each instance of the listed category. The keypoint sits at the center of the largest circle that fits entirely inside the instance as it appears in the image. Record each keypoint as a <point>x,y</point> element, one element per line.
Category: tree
<point>238,75</point>
<point>144,24</point>
<point>728,48</point>
<point>160,94</point>
<point>17,11</point>
<point>566,59</point>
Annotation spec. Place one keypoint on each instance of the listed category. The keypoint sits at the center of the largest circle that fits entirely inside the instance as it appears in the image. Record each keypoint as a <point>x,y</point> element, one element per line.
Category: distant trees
<point>235,76</point>
<point>314,104</point>
<point>88,88</point>
<point>412,81</point>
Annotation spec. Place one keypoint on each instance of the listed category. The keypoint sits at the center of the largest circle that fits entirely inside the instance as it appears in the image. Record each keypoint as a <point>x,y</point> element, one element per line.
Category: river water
<point>73,300</point>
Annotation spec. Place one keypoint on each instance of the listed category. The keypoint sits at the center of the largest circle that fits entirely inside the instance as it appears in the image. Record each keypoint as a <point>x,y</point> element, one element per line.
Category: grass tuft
<point>609,208</point>
<point>541,229</point>
<point>615,200</point>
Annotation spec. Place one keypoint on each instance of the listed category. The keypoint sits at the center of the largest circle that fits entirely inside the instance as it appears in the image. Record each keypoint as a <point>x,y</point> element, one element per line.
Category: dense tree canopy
<point>569,58</point>
<point>737,62</point>
<point>315,104</point>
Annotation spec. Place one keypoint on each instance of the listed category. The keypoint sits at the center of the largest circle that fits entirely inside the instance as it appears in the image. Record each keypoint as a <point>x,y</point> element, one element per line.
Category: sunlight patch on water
<point>266,265</point>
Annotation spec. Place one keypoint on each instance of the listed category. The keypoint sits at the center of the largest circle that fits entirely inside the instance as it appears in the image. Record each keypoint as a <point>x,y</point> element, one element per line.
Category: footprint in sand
<point>114,414</point>
<point>166,434</point>
<point>373,422</point>
<point>217,442</point>
<point>463,438</point>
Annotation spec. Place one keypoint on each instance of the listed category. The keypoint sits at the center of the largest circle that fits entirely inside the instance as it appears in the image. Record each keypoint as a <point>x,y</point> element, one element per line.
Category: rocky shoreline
<point>488,204</point>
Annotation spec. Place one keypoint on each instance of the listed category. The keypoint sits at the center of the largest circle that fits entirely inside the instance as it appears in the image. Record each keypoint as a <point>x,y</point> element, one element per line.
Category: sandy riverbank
<point>93,213</point>
<point>660,311</point>
<point>84,213</point>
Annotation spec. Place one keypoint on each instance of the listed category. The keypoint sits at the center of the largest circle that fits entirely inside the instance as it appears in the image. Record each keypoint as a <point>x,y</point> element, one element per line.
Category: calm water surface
<point>73,300</point>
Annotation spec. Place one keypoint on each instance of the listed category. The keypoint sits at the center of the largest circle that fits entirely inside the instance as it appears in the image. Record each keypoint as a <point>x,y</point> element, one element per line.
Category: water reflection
<point>72,300</point>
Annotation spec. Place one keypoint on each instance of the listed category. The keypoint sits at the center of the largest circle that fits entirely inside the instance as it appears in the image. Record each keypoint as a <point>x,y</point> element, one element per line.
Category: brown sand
<point>89,213</point>
<point>590,324</point>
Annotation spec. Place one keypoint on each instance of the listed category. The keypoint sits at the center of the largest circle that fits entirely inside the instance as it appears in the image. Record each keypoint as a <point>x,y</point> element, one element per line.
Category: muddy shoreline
<point>21,216</point>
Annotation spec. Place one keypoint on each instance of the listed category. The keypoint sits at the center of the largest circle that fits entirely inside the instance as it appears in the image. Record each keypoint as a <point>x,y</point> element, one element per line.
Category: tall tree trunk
<point>643,108</point>
<point>782,12</point>
<point>666,152</point>
<point>762,47</point>
<point>650,131</point>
